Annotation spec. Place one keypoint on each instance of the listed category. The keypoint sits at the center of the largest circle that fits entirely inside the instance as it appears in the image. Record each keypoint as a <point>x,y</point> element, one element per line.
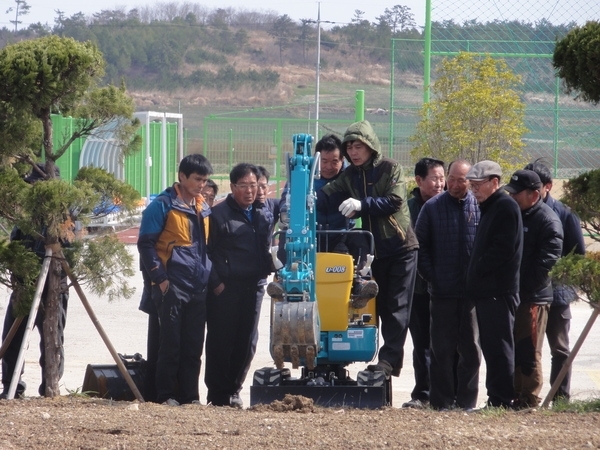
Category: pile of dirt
<point>294,423</point>
<point>289,403</point>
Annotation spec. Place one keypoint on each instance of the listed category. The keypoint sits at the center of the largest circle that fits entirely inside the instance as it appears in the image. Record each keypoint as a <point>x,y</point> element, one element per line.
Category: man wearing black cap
<point>542,247</point>
<point>559,317</point>
<point>493,279</point>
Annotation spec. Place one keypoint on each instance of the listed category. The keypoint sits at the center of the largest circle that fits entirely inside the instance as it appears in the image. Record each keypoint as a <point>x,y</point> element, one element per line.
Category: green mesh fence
<point>562,131</point>
<point>264,136</point>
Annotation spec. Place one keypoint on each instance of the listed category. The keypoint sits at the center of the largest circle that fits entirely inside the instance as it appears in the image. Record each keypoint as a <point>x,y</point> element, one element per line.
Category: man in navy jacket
<point>239,244</point>
<point>446,232</point>
<point>430,178</point>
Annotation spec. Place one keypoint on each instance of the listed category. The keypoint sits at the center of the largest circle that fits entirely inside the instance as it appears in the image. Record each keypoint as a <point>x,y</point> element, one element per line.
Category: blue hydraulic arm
<point>298,275</point>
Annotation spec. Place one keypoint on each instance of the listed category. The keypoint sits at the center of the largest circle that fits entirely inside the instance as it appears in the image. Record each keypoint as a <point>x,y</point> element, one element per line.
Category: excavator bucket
<point>294,333</point>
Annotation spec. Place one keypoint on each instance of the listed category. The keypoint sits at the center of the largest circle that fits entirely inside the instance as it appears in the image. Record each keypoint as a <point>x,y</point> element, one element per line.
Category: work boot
<point>366,291</point>
<point>415,403</point>
<point>275,290</point>
<point>235,401</point>
<point>381,366</point>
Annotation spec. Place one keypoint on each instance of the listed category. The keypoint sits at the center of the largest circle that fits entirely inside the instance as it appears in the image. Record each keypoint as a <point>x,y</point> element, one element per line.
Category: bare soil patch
<point>74,422</point>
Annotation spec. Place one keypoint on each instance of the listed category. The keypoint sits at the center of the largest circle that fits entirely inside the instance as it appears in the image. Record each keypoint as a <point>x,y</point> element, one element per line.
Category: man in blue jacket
<point>446,230</point>
<point>559,316</point>
<point>173,252</point>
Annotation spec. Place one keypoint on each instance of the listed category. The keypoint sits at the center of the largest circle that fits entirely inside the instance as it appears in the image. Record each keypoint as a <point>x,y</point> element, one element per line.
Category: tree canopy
<point>577,60</point>
<point>582,194</point>
<point>41,77</point>
<point>282,31</point>
<point>21,8</point>
<point>476,113</point>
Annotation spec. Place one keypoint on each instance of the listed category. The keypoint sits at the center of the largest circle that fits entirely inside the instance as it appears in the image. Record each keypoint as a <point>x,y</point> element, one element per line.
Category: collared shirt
<point>248,212</point>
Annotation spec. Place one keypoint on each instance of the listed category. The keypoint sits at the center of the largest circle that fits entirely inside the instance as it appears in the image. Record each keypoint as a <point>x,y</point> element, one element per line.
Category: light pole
<point>318,69</point>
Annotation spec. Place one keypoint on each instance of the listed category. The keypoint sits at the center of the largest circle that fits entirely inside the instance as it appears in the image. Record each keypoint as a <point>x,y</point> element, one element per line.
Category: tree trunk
<point>53,345</point>
<point>47,137</point>
<point>53,348</point>
<point>280,54</point>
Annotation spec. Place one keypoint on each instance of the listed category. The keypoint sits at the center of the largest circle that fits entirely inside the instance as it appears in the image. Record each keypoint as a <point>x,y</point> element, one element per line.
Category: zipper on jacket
<point>364,174</point>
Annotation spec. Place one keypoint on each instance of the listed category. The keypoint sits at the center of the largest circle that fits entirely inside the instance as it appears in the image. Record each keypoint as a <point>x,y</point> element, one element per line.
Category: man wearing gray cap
<point>493,279</point>
<point>542,247</point>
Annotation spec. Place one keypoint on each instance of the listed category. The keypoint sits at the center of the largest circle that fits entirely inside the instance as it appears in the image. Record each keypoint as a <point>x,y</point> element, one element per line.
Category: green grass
<point>493,412</point>
<point>577,406</point>
<point>78,393</point>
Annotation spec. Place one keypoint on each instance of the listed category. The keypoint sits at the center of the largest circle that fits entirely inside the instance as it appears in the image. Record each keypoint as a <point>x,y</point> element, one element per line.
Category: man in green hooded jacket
<point>373,188</point>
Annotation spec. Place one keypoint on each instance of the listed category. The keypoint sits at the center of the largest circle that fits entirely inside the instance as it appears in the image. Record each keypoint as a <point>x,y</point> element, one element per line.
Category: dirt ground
<point>73,422</point>
<point>79,423</point>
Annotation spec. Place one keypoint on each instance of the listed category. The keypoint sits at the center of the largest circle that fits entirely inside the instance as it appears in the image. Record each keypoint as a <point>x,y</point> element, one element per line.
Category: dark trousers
<point>253,341</point>
<point>152,346</point>
<point>395,276</point>
<point>557,332</point>
<point>9,361</point>
<point>496,319</point>
<point>181,338</point>
<point>419,331</point>
<point>454,332</point>
<point>232,333</point>
<point>530,327</point>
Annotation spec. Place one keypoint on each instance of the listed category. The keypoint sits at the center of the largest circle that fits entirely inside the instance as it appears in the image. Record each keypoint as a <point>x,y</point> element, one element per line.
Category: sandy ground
<point>126,327</point>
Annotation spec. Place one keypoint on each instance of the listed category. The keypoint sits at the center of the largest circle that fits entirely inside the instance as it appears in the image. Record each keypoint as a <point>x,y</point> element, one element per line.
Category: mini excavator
<point>314,326</point>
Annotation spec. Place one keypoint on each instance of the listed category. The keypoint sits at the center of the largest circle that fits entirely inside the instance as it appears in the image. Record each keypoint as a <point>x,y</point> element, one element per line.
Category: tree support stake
<point>567,365</point>
<point>103,335</point>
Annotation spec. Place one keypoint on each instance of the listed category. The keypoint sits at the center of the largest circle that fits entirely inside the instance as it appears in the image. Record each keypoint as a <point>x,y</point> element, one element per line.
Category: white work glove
<point>348,207</point>
<point>278,264</point>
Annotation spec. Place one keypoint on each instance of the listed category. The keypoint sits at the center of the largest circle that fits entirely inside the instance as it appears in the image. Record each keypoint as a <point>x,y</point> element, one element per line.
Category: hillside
<point>200,63</point>
<point>173,55</point>
<point>296,82</point>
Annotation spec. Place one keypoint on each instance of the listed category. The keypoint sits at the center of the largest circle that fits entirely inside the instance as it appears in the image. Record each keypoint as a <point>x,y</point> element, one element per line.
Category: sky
<point>338,11</point>
<point>331,10</point>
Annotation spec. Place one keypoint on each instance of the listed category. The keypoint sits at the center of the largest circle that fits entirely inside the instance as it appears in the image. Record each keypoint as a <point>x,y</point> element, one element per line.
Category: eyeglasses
<point>246,187</point>
<point>477,186</point>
